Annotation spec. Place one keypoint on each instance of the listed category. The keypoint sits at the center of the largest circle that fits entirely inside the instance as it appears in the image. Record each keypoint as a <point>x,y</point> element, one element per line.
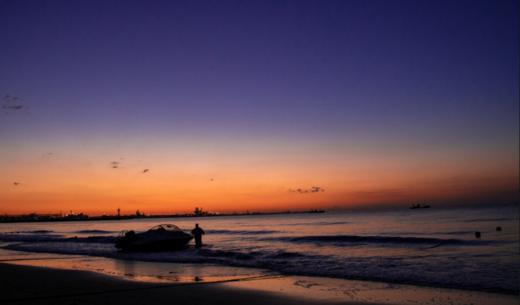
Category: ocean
<point>433,247</point>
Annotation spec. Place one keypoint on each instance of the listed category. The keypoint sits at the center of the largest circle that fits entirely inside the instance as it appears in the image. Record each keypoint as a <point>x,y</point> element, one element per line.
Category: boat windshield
<point>165,227</point>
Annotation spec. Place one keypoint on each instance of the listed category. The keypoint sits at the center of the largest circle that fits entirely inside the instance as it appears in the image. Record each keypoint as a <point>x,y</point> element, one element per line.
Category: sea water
<point>433,247</point>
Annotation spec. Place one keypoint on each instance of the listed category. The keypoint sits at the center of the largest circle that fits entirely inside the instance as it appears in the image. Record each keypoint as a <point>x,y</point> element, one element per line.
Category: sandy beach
<point>26,284</point>
<point>36,285</point>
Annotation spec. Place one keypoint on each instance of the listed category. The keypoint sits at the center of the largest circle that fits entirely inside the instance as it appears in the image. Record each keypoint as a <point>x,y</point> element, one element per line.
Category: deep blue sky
<point>428,74</point>
<point>266,64</point>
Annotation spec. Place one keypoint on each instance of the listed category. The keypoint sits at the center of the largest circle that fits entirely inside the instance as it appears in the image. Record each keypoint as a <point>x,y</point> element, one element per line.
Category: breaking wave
<point>491,219</point>
<point>33,232</point>
<point>46,238</point>
<point>385,240</point>
<point>242,232</point>
<point>94,232</point>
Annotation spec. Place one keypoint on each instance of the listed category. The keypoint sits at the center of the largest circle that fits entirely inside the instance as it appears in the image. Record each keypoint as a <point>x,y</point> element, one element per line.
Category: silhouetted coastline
<point>34,217</point>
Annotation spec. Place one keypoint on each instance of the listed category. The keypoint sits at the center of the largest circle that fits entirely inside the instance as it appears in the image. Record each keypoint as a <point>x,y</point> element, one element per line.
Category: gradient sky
<point>235,105</point>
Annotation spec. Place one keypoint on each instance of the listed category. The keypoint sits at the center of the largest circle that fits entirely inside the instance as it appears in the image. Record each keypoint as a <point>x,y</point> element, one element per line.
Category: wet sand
<point>37,285</point>
<point>29,284</point>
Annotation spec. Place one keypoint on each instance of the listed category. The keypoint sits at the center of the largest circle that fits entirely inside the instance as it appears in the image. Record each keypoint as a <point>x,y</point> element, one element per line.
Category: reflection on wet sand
<point>334,290</point>
<point>318,288</point>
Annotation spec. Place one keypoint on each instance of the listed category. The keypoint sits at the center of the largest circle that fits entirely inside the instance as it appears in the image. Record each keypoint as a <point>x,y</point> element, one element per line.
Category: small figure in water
<point>197,233</point>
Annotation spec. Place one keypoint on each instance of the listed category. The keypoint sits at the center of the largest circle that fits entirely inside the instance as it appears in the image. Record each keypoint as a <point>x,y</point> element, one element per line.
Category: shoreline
<point>33,284</point>
<point>39,285</point>
<point>71,256</point>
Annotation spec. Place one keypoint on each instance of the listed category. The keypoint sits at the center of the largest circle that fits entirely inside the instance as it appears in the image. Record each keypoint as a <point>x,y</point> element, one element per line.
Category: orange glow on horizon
<point>246,184</point>
<point>254,175</point>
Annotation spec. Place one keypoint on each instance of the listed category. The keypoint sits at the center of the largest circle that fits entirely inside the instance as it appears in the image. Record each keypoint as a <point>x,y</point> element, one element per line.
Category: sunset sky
<point>256,105</point>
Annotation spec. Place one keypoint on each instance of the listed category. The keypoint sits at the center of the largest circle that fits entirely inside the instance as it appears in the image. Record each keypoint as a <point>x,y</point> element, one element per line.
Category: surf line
<point>122,290</point>
<point>35,259</point>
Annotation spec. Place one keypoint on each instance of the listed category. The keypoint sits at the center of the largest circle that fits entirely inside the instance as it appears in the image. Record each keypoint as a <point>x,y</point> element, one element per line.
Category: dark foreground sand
<point>36,285</point>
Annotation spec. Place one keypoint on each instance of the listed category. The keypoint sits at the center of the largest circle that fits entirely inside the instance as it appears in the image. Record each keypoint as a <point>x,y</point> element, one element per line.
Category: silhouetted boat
<point>159,238</point>
<point>419,206</point>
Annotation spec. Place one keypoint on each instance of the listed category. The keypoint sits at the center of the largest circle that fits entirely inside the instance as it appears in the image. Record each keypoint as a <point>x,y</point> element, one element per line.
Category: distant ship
<point>419,206</point>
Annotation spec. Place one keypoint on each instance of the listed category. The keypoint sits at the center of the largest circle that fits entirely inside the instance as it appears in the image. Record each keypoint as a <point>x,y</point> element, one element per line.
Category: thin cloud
<point>47,155</point>
<point>313,189</point>
<point>11,103</point>
<point>12,107</point>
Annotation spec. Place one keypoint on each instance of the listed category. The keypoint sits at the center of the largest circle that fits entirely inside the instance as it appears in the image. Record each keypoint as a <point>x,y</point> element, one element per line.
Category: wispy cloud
<point>11,103</point>
<point>313,189</point>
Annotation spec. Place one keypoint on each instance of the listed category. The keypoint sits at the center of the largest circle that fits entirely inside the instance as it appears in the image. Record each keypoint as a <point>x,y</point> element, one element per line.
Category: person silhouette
<point>197,233</point>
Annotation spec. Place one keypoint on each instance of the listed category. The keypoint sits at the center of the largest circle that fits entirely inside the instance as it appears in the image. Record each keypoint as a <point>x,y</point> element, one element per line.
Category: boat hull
<point>155,245</point>
<point>153,240</point>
